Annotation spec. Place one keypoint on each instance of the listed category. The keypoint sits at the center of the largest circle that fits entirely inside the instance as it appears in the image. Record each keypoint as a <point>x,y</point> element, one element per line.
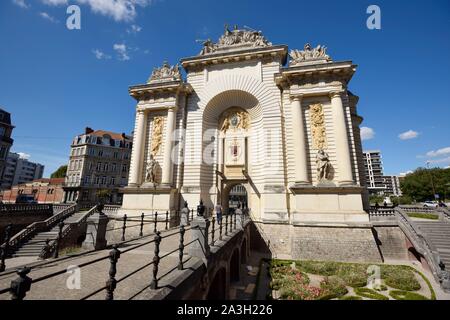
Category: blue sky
<point>57,81</point>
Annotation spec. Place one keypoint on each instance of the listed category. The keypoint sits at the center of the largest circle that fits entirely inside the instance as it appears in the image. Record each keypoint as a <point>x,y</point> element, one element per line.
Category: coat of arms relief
<point>235,119</point>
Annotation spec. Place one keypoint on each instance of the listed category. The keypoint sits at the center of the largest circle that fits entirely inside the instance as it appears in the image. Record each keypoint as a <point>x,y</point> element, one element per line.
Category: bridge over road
<point>195,261</point>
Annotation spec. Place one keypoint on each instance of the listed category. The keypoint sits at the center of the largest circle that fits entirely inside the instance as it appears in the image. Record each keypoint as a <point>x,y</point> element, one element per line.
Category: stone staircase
<point>34,246</point>
<point>438,233</point>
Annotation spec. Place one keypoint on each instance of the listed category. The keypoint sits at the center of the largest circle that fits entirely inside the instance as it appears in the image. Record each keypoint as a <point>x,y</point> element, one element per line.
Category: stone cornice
<point>234,56</point>
<point>340,70</point>
<point>171,87</point>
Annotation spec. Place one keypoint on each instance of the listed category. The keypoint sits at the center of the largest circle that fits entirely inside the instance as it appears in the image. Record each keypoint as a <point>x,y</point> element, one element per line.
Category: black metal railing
<point>21,285</point>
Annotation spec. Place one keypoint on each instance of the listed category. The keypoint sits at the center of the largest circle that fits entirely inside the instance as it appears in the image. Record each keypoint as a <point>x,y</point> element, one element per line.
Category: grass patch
<point>406,295</point>
<point>69,250</point>
<point>400,277</point>
<point>423,215</point>
<point>369,293</point>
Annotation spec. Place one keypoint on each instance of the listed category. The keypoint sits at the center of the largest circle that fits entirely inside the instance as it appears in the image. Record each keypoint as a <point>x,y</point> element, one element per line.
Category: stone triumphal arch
<point>282,125</point>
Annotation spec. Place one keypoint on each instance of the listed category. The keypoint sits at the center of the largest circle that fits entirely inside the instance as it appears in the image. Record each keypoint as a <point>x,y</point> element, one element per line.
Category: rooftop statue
<point>165,73</point>
<point>308,53</point>
<point>236,37</point>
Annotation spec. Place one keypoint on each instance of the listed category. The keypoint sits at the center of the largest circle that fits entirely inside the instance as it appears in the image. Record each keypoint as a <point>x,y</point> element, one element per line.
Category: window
<point>105,167</point>
<point>100,153</point>
<point>116,155</point>
<point>113,167</point>
<point>124,168</point>
<point>3,152</point>
<point>2,131</point>
<point>99,166</point>
<point>113,180</point>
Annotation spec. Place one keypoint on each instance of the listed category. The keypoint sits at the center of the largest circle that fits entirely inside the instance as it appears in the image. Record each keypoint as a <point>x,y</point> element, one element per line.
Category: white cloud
<point>23,155</point>
<point>134,29</point>
<point>121,50</point>
<point>21,3</point>
<point>410,134</point>
<point>48,17</point>
<point>439,152</point>
<point>119,10</point>
<point>367,133</point>
<point>100,54</point>
<point>440,161</point>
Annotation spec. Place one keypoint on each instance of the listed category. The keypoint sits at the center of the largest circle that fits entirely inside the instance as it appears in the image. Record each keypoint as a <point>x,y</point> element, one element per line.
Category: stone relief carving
<point>235,119</point>
<point>308,53</point>
<point>150,174</point>
<point>165,73</point>
<point>318,126</point>
<point>156,135</point>
<point>236,37</point>
<point>323,166</point>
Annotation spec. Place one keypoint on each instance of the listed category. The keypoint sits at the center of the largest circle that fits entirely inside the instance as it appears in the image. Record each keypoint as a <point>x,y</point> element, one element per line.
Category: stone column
<point>300,152</point>
<point>345,176</point>
<point>221,155</point>
<point>167,165</point>
<point>199,232</point>
<point>138,152</point>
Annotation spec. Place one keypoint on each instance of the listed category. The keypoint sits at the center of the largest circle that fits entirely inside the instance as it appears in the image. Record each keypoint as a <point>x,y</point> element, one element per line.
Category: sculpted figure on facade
<point>150,174</point>
<point>318,126</point>
<point>165,73</point>
<point>235,119</point>
<point>308,53</point>
<point>157,135</point>
<point>323,165</point>
<point>236,37</point>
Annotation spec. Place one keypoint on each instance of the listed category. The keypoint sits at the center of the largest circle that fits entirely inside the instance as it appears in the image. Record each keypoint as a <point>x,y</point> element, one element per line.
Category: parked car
<point>442,205</point>
<point>25,198</point>
<point>430,204</point>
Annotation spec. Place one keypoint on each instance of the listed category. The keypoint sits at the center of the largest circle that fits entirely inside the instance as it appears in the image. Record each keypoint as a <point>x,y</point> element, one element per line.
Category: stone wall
<point>392,242</point>
<point>20,220</point>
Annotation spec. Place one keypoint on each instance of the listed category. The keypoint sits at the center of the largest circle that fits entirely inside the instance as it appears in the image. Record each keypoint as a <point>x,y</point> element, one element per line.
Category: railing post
<point>213,229</point>
<point>124,227</point>
<point>192,214</point>
<point>220,230</point>
<point>154,283</point>
<point>20,286</point>
<point>111,283</point>
<point>235,215</point>
<point>167,220</point>
<point>181,247</point>
<point>5,247</point>
<point>155,229</point>
<point>58,240</point>
<point>226,224</point>
<point>142,225</point>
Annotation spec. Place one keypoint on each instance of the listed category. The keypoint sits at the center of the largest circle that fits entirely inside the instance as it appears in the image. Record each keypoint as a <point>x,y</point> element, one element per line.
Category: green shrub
<point>332,287</point>
<point>350,298</point>
<point>400,277</point>
<point>369,293</point>
<point>406,295</point>
<point>381,288</point>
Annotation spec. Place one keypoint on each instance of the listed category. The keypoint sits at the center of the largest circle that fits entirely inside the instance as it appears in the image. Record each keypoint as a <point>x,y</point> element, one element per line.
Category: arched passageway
<point>217,290</point>
<point>234,266</point>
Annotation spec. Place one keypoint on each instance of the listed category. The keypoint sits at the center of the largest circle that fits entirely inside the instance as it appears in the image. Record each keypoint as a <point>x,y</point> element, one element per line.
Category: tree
<point>419,184</point>
<point>60,172</point>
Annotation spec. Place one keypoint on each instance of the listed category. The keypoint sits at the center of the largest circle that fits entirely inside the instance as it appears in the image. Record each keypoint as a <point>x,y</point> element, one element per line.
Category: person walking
<point>219,213</point>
